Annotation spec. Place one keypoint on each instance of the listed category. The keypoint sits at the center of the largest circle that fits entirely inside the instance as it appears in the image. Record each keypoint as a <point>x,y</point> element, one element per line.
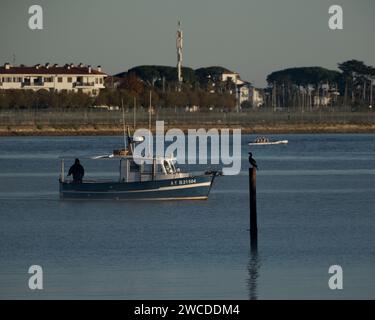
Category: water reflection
<point>253,269</point>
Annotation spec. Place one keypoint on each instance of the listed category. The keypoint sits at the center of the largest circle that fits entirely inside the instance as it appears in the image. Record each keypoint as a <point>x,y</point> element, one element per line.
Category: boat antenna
<point>130,142</point>
<point>123,122</point>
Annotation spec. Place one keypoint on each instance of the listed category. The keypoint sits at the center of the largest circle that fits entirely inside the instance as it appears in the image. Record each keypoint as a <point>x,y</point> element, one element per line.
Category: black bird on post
<point>253,203</point>
<point>252,161</point>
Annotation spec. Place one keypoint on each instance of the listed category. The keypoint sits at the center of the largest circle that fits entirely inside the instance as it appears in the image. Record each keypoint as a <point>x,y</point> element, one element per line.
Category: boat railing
<point>90,180</point>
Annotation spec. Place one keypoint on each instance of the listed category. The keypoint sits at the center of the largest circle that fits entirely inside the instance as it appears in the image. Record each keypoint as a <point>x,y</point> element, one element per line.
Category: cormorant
<point>252,161</point>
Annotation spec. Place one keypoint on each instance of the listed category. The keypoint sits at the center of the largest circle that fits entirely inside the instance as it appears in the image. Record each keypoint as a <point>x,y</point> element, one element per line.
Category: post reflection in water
<point>253,268</point>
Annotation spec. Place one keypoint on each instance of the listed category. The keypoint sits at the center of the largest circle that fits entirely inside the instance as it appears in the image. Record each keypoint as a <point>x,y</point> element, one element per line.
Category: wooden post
<point>253,208</point>
<point>62,169</point>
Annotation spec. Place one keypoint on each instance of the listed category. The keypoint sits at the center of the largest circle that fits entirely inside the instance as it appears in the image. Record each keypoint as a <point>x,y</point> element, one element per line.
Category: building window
<point>14,79</point>
<point>70,80</point>
<point>38,81</point>
<point>101,80</point>
<point>60,79</point>
<point>48,79</point>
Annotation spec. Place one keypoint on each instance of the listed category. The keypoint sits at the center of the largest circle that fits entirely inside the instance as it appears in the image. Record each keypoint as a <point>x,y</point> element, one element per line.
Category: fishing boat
<point>263,141</point>
<point>153,178</point>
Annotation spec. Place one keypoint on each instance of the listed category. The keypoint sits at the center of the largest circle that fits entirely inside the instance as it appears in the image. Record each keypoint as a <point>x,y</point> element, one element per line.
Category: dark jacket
<point>77,171</point>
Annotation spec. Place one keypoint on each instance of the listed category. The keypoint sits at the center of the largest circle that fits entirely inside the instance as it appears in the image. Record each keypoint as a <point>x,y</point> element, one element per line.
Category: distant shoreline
<point>98,130</point>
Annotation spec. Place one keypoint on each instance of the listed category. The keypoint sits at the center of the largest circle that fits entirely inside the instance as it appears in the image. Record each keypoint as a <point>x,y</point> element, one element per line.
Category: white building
<point>73,78</point>
<point>323,101</point>
<point>256,97</point>
<point>243,93</point>
<point>233,77</point>
<point>247,92</point>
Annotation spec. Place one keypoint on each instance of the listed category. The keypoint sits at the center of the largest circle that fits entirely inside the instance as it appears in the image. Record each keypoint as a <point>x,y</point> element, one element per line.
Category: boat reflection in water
<point>154,178</point>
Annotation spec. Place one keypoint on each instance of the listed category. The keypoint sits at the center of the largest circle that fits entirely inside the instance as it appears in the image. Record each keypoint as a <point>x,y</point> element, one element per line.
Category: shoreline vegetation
<point>96,123</point>
<point>256,129</point>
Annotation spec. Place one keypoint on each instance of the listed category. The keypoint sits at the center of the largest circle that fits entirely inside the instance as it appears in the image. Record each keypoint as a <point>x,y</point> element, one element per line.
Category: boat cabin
<point>149,170</point>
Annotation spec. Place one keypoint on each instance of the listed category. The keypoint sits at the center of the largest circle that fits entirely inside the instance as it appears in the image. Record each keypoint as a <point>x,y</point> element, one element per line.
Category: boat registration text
<point>183,182</point>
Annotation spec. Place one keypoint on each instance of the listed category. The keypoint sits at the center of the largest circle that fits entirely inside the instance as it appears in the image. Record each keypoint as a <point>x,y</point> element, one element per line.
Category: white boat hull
<point>268,143</point>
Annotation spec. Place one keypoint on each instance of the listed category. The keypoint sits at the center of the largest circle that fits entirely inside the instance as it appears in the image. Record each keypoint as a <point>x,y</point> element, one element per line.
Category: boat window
<point>159,168</point>
<point>173,167</point>
<point>134,167</point>
<point>168,167</point>
<point>147,168</point>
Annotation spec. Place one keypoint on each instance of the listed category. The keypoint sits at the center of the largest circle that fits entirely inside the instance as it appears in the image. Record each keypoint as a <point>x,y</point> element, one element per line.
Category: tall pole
<point>274,97</point>
<point>239,100</point>
<point>371,99</point>
<point>364,91</point>
<point>123,122</point>
<point>149,125</point>
<point>179,46</point>
<point>253,208</point>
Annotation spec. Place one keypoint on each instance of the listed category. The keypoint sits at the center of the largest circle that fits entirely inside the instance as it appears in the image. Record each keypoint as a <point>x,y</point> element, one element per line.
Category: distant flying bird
<point>252,161</point>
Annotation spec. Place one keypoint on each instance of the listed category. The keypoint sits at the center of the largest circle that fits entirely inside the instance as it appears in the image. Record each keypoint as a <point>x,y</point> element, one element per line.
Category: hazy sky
<point>252,37</point>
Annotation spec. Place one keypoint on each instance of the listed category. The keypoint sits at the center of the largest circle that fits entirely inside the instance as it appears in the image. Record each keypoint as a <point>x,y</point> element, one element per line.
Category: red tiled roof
<point>51,70</point>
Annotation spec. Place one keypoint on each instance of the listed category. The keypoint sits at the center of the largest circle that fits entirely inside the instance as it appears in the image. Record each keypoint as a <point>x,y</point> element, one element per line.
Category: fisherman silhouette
<point>77,171</point>
<point>252,161</point>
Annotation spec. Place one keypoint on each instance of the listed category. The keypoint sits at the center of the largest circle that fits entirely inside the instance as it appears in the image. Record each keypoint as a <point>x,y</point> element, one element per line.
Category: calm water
<point>316,208</point>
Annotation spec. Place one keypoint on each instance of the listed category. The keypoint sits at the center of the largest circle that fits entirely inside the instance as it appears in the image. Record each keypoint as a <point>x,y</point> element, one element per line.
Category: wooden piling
<point>62,171</point>
<point>253,208</point>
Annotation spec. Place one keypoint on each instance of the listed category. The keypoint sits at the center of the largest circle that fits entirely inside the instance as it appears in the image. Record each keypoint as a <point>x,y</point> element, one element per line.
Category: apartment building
<point>70,77</point>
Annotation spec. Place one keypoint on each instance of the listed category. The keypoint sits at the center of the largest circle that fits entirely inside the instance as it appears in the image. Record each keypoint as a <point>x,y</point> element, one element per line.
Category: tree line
<point>122,96</point>
<point>305,88</point>
<point>309,88</point>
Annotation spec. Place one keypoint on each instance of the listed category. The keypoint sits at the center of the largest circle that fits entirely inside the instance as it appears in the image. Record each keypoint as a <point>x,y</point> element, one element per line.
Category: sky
<point>252,37</point>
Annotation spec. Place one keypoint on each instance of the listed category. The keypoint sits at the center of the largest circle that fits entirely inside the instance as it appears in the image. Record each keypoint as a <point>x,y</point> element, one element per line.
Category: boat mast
<point>123,122</point>
<point>371,98</point>
<point>130,141</point>
<point>149,125</point>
